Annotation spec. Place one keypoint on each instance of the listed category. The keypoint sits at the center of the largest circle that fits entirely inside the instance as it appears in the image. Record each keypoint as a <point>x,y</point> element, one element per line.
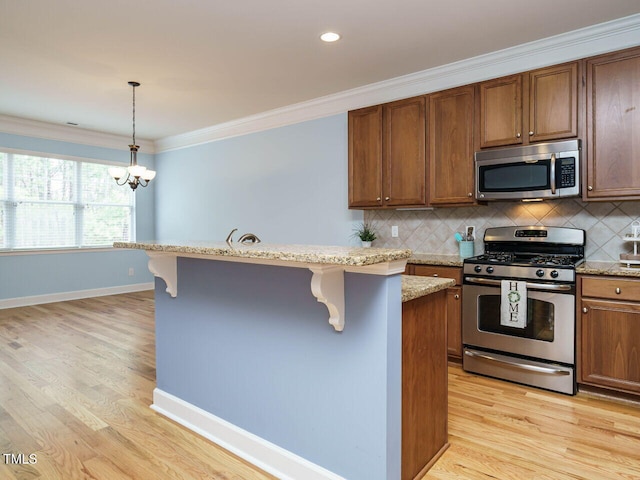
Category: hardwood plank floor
<point>76,382</point>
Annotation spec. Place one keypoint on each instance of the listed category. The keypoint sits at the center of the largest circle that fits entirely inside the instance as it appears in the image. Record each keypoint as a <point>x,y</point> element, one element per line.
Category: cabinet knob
<point>589,188</point>
<point>518,135</point>
<point>469,194</point>
<point>618,291</point>
<point>530,134</point>
<point>387,199</point>
<point>585,310</point>
<point>456,296</point>
<point>378,199</point>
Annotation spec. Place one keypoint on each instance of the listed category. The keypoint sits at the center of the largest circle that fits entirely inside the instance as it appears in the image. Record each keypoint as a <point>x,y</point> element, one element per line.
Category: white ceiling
<point>205,62</point>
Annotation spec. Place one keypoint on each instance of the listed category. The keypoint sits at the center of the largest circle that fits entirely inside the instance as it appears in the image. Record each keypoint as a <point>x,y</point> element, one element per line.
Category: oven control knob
<point>477,269</point>
<point>489,269</point>
<point>554,274</point>
<point>540,273</point>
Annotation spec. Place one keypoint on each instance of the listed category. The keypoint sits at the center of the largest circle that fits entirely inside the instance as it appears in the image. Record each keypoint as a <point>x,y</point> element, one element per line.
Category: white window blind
<point>61,203</point>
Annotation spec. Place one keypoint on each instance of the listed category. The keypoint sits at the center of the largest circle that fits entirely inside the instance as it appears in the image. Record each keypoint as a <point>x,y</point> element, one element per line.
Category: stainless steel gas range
<point>519,302</point>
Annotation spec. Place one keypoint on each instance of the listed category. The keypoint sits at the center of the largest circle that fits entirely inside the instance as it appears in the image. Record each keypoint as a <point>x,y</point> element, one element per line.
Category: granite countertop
<point>414,286</point>
<point>435,259</point>
<point>321,254</point>
<point>587,268</point>
<point>607,268</point>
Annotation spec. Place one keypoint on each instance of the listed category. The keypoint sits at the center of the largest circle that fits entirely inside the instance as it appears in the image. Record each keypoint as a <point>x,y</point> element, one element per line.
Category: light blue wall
<point>287,185</point>
<point>284,373</point>
<point>28,275</point>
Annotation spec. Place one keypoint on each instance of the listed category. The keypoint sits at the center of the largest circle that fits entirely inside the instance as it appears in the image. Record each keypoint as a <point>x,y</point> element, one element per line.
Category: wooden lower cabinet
<point>454,304</point>
<point>454,322</point>
<point>609,343</point>
<point>424,383</point>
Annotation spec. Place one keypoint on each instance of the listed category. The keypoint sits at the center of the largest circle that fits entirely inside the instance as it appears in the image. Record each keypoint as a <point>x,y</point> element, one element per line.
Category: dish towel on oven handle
<point>513,304</point>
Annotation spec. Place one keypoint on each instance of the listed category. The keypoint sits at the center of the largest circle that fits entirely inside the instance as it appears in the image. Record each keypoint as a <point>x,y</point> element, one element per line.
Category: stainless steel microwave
<point>544,171</point>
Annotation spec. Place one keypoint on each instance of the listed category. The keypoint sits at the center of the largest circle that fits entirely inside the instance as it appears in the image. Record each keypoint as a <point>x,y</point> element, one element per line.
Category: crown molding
<point>63,133</point>
<point>586,42</point>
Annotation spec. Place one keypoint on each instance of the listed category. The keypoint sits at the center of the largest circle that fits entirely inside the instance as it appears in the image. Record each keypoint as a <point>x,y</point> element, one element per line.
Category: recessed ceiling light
<point>329,37</point>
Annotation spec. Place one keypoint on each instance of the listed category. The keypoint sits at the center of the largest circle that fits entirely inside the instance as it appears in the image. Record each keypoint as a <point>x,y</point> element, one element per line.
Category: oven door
<point>550,330</point>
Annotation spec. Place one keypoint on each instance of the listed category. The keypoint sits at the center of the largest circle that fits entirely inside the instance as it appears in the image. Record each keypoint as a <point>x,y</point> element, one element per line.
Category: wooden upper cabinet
<point>365,157</point>
<point>387,155</point>
<point>613,126</point>
<point>538,106</point>
<point>403,158</point>
<point>501,111</point>
<point>450,139</point>
<point>553,103</point>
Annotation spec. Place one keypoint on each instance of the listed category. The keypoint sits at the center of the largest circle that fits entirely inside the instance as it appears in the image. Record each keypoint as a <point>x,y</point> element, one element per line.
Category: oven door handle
<point>540,286</point>
<point>517,365</point>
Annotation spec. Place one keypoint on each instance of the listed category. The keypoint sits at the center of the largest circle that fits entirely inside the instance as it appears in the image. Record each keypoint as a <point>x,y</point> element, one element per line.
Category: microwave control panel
<point>567,170</point>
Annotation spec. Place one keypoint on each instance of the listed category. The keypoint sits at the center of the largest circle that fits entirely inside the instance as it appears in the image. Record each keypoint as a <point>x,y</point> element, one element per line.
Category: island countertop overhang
<point>327,264</point>
<point>307,254</point>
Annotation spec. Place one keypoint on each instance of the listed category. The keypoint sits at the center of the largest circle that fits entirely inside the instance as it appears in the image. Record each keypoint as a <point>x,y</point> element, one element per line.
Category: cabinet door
<point>450,139</point>
<point>613,126</point>
<point>553,103</point>
<point>501,111</point>
<point>454,304</point>
<point>610,347</point>
<point>365,157</point>
<point>404,165</point>
<point>454,322</point>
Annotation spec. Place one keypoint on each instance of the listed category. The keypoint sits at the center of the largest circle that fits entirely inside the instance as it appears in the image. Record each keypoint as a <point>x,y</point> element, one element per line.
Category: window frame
<point>79,205</point>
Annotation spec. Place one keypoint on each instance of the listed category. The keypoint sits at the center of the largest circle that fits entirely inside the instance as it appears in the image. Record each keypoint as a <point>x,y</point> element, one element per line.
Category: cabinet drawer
<point>611,288</point>
<point>434,271</point>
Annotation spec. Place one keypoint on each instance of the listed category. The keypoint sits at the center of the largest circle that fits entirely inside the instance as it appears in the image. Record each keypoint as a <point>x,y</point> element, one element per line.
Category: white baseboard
<point>257,451</point>
<point>75,295</point>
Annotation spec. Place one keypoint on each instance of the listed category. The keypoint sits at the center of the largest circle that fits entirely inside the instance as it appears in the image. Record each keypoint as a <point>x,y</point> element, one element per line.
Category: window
<point>61,203</point>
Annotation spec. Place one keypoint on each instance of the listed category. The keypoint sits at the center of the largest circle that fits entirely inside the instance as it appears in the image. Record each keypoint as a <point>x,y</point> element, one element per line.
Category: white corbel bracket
<point>327,285</point>
<point>165,266</point>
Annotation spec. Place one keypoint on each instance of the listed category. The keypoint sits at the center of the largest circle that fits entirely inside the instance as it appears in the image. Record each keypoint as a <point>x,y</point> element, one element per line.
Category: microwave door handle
<point>553,174</point>
<point>557,287</point>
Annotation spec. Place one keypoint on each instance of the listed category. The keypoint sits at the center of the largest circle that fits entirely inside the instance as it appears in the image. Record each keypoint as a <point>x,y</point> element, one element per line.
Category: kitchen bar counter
<point>246,358</point>
<point>317,254</point>
<point>328,264</point>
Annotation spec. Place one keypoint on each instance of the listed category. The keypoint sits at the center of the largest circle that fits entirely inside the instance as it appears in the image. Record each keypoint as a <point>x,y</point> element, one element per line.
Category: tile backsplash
<point>432,231</point>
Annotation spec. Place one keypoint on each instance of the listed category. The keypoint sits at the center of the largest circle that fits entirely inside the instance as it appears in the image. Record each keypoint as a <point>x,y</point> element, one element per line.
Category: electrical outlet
<point>394,231</point>
<point>470,231</point>
<point>131,271</point>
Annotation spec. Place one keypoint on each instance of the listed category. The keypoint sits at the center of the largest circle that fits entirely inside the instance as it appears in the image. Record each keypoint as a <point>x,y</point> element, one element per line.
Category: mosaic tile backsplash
<point>432,231</point>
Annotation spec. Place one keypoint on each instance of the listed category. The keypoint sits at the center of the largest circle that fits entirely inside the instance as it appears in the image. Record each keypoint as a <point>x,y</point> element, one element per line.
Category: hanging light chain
<point>134,113</point>
<point>134,85</point>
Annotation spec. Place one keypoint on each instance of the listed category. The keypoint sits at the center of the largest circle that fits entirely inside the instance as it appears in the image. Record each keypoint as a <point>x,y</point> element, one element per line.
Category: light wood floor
<point>76,382</point>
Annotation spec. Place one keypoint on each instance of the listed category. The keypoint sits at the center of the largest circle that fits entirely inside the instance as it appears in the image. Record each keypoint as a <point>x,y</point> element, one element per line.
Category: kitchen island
<point>292,356</point>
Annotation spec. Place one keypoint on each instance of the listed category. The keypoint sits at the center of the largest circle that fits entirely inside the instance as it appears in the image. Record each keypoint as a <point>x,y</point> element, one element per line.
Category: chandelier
<point>136,175</point>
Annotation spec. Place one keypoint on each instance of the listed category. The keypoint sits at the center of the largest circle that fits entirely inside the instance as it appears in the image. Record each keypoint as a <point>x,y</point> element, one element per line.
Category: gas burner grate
<point>497,257</point>
<point>555,260</point>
